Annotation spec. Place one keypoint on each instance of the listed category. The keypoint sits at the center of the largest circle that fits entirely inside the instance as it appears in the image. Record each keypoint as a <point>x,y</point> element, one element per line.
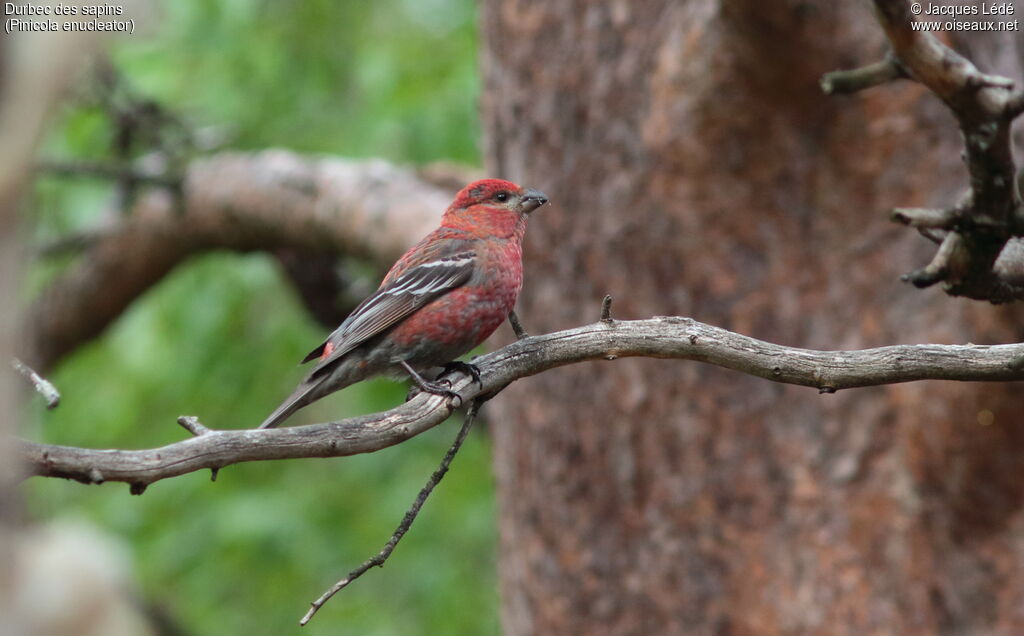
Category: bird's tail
<point>303,395</point>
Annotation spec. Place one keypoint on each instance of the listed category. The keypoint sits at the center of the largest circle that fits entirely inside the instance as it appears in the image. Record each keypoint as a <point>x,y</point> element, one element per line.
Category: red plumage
<point>442,298</point>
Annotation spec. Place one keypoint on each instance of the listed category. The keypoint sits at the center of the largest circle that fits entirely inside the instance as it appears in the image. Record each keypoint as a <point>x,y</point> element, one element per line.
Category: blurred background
<point>222,335</point>
<point>695,169</point>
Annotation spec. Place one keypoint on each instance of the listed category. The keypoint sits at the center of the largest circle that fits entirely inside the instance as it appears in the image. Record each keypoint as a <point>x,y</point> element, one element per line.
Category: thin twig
<point>74,243</point>
<point>927,218</point>
<point>100,170</point>
<point>933,235</point>
<point>517,326</point>
<point>606,309</point>
<point>858,79</point>
<point>192,424</point>
<point>43,386</point>
<point>938,269</point>
<point>407,521</point>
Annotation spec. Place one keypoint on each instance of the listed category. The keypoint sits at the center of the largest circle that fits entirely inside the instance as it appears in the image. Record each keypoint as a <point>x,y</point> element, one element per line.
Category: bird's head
<point>493,206</point>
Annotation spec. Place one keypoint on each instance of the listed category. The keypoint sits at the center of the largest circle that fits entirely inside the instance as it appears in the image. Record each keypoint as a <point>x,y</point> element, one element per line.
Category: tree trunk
<point>697,169</point>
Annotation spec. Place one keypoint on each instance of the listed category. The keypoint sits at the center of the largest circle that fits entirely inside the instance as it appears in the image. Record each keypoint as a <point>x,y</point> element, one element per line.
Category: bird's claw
<point>441,388</point>
<point>466,367</point>
<point>455,398</point>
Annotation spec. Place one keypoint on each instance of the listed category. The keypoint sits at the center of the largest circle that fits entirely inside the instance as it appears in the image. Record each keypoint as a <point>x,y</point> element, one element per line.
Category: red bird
<point>439,301</point>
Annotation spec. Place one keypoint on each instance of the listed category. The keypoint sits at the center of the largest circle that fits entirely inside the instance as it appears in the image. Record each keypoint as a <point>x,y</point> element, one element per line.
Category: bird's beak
<point>532,199</point>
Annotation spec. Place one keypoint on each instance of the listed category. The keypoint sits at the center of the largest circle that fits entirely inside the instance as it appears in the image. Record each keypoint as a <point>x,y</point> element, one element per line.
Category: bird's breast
<point>461,319</point>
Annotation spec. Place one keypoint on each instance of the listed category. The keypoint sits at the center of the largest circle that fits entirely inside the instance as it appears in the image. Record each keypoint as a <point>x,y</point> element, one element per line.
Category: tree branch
<point>246,202</point>
<point>325,283</point>
<point>42,386</point>
<point>984,106</point>
<point>660,337</point>
<point>407,520</point>
<point>117,172</point>
<point>858,79</point>
<point>517,327</point>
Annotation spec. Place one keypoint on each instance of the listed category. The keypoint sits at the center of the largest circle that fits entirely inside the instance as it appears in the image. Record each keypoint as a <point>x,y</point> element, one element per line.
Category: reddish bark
<point>696,169</point>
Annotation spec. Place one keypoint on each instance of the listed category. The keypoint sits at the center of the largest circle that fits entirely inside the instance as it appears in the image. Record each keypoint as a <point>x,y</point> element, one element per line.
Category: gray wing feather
<point>391,304</point>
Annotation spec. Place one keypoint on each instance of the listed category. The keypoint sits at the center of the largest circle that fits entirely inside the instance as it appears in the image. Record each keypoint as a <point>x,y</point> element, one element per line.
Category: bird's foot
<point>442,388</point>
<point>468,368</point>
<point>438,387</point>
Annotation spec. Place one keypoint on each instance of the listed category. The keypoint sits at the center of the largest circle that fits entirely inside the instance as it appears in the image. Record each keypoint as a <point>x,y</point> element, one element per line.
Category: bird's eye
<point>501,196</point>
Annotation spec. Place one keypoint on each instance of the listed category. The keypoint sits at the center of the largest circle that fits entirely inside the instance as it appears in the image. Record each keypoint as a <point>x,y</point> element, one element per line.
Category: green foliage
<point>221,336</point>
<point>394,79</point>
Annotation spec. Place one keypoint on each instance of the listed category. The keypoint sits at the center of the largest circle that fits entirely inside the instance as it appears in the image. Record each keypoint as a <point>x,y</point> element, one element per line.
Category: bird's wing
<point>394,302</point>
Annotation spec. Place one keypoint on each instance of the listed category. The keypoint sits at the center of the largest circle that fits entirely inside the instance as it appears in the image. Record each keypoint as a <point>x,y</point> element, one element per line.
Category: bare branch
<point>325,282</point>
<point>927,218</point>
<point>43,386</point>
<point>952,77</point>
<point>192,424</point>
<point>407,521</point>
<point>245,202</point>
<point>660,337</point>
<point>858,79</point>
<point>107,171</point>
<point>984,106</point>
<point>73,243</point>
<point>606,309</point>
<point>938,268</point>
<point>448,175</point>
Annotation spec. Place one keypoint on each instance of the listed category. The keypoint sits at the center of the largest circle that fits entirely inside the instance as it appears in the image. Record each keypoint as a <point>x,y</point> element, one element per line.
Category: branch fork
<point>985,106</point>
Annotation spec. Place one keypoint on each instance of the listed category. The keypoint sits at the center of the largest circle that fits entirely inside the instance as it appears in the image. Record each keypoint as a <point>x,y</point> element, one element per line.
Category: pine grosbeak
<point>441,299</point>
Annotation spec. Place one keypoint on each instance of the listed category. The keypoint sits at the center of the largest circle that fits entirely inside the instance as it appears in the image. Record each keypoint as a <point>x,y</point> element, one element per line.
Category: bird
<point>440,300</point>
